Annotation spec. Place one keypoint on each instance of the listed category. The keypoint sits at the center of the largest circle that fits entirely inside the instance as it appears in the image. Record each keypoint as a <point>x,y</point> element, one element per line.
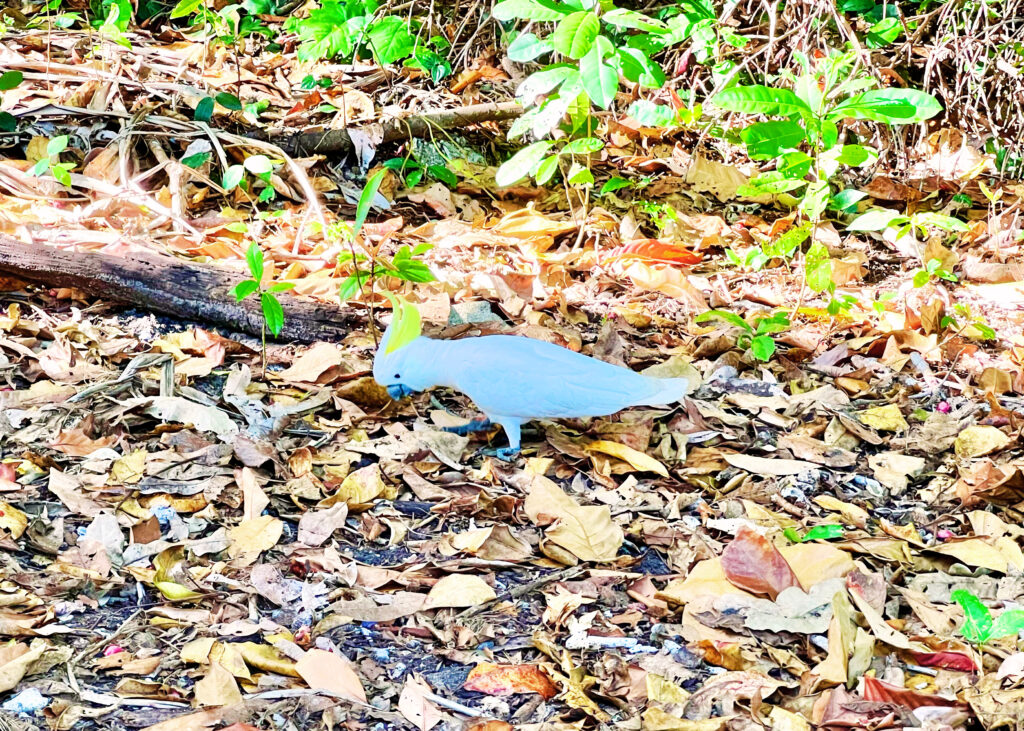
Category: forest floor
<point>192,540</point>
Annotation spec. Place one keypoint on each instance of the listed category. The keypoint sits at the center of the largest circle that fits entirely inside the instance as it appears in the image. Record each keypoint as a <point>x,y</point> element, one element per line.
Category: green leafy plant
<point>591,46</point>
<point>369,265</point>
<point>260,167</point>
<point>979,627</point>
<point>544,158</point>
<point>413,172</point>
<point>206,105</point>
<point>9,80</point>
<point>270,306</point>
<point>61,171</point>
<point>804,141</point>
<point>930,271</point>
<point>346,28</point>
<point>964,320</point>
<point>756,338</point>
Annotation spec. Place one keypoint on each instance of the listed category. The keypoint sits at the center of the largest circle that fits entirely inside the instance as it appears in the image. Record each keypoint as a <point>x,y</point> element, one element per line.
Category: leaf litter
<point>831,540</point>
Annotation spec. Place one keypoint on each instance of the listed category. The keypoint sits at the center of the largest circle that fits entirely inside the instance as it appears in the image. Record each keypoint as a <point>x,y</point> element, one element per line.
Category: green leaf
<point>580,175</point>
<point>41,166</point>
<point>575,34</point>
<point>824,533</point>
<point>390,39</point>
<point>846,200</point>
<point>770,183</point>
<point>446,176</point>
<point>232,177</point>
<point>921,278</point>
<point>582,146</point>
<point>259,165</point>
<point>1008,623</point>
<point>351,285</point>
<point>623,18</point>
<point>639,68</point>
<point>412,270</point>
<point>7,122</point>
<point>229,101</point>
<point>56,145</point>
<point>272,312</point>
<point>366,199</point>
<point>795,164</point>
<point>787,244</point>
<point>254,259</point>
<point>245,288</point>
<point>281,286</point>
<point>815,199</point>
<point>883,33</point>
<point>185,7</point>
<point>877,219</point>
<point>895,106</point>
<point>10,79</point>
<point>546,170</point>
<point>758,99</point>
<point>818,268</point>
<point>856,156</point>
<point>650,114</point>
<point>527,47</point>
<point>762,347</point>
<point>614,184</point>
<point>765,140</point>
<point>939,220</point>
<point>196,161</point>
<point>62,173</point>
<point>522,163</point>
<point>600,80</point>
<point>730,317</point>
<point>543,10</point>
<point>977,627</point>
<point>204,109</point>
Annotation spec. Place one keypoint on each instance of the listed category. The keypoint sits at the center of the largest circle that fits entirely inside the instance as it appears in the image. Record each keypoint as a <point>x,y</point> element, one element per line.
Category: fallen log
<point>170,286</point>
<point>303,143</point>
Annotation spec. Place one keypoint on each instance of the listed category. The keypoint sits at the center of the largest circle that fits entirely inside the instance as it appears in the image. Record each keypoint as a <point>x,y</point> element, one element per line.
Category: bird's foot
<point>505,454</point>
<point>481,424</point>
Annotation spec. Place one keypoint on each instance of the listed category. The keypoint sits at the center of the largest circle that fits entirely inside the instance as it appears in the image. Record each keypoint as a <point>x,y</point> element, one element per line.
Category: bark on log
<point>301,144</point>
<point>170,286</point>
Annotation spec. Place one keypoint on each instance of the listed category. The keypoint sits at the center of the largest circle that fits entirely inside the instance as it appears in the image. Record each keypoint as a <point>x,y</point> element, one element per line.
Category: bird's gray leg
<point>512,431</point>
<point>481,423</point>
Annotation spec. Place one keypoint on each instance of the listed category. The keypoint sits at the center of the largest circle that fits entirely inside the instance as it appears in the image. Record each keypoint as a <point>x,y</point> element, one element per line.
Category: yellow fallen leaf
<point>975,553</point>
<point>852,514</point>
<point>265,657</point>
<point>218,688</point>
<point>979,440</point>
<point>884,418</point>
<point>130,468</point>
<point>15,661</point>
<point>655,719</point>
<point>359,488</point>
<point>252,537</point>
<point>636,459</point>
<point>459,590</point>
<point>197,651</point>
<point>12,520</point>
<point>783,720</point>
<point>585,531</point>
<point>324,670</point>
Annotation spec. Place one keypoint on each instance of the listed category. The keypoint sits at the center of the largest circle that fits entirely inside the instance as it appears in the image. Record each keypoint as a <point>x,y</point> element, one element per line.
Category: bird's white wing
<point>527,378</point>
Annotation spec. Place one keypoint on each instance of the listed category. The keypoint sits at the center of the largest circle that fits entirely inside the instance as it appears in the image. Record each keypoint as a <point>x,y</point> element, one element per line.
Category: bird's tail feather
<point>672,391</point>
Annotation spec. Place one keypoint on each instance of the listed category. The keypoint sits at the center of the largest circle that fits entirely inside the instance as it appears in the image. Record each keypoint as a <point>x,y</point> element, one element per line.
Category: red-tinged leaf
<point>510,680</point>
<point>655,251</point>
<point>877,690</point>
<point>945,660</point>
<point>752,563</point>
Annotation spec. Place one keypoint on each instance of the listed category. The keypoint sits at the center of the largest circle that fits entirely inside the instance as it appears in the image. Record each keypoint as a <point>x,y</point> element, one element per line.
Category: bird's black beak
<point>398,391</point>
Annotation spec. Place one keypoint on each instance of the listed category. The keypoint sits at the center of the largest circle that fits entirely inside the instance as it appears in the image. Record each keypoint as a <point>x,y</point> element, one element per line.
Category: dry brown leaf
<point>586,531</point>
<point>459,590</point>
<point>324,670</point>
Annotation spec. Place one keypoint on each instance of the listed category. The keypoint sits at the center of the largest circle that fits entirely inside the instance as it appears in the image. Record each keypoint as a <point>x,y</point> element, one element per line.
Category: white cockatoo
<point>512,379</point>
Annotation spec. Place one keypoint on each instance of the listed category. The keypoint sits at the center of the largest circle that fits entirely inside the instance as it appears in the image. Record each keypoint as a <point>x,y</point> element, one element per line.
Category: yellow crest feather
<point>405,323</point>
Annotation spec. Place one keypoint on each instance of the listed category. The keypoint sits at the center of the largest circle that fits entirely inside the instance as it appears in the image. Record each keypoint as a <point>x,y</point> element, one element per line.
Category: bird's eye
<point>398,375</point>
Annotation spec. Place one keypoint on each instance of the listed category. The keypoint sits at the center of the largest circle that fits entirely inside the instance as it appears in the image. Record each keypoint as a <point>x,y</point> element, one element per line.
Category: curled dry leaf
<point>752,563</point>
<point>510,680</point>
<point>585,531</point>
